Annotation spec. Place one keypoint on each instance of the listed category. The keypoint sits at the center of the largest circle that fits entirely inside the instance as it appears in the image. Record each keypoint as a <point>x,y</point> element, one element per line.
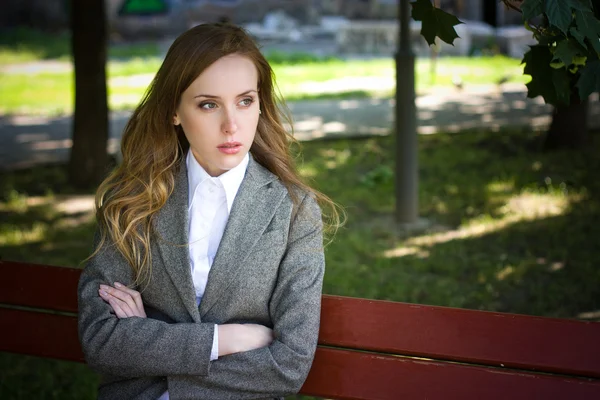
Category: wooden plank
<point>343,374</point>
<point>518,341</point>
<point>335,373</point>
<point>39,286</point>
<point>39,334</point>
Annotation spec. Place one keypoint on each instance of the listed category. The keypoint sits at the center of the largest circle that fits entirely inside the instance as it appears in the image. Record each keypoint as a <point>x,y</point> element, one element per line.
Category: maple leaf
<point>559,14</point>
<point>589,26</point>
<point>589,81</point>
<point>554,85</point>
<point>435,22</point>
<point>532,8</point>
<point>566,51</point>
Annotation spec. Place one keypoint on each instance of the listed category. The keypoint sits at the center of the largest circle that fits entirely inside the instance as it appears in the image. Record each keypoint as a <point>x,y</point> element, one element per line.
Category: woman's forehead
<point>230,74</point>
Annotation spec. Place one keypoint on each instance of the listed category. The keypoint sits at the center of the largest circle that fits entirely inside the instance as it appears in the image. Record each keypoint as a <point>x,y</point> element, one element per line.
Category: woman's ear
<point>176,120</point>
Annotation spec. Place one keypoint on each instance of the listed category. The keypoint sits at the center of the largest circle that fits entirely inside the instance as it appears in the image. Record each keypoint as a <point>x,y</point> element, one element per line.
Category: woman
<point>206,280</point>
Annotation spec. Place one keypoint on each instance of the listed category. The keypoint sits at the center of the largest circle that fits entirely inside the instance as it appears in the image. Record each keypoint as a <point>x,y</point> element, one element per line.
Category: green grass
<point>301,76</point>
<point>52,93</point>
<point>512,229</point>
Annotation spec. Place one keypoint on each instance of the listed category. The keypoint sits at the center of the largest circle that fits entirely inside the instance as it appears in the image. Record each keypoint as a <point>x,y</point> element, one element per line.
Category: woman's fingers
<point>135,295</point>
<point>116,306</point>
<point>124,297</point>
<point>124,301</point>
<point>121,308</point>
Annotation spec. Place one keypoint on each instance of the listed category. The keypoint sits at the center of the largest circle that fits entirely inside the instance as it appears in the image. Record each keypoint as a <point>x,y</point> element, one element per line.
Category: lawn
<point>511,229</point>
<point>46,92</point>
<point>28,89</point>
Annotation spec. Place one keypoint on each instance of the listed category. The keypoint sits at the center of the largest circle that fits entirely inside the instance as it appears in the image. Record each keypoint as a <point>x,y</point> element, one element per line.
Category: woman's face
<point>219,113</point>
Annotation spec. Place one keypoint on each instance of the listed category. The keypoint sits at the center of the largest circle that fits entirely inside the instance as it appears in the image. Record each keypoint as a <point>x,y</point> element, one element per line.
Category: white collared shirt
<point>210,200</point>
<point>209,203</point>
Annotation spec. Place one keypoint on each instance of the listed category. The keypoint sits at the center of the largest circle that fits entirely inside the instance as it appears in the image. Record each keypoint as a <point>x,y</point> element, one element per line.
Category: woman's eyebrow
<point>211,96</point>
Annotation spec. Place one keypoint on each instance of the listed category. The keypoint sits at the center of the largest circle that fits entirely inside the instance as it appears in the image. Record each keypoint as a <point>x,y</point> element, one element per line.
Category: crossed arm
<point>263,366</point>
<point>233,338</point>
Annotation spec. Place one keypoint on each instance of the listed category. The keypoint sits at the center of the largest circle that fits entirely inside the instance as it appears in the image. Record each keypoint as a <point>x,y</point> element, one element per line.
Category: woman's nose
<point>229,125</point>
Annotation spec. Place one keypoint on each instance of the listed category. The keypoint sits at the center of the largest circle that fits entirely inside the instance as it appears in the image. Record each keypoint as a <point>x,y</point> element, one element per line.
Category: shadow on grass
<point>43,219</point>
<point>512,229</point>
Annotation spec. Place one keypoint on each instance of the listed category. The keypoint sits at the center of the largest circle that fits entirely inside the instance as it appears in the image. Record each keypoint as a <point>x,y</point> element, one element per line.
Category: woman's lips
<point>230,147</point>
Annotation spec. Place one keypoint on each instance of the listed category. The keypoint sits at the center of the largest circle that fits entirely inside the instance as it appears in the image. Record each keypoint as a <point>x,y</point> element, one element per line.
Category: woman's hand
<point>124,301</point>
<point>237,338</point>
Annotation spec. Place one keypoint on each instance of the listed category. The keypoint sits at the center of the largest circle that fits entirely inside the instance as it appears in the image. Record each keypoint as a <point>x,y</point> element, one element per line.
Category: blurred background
<point>508,223</point>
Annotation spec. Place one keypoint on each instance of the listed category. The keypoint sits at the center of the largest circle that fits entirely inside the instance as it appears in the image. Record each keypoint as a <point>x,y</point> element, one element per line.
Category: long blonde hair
<point>128,200</point>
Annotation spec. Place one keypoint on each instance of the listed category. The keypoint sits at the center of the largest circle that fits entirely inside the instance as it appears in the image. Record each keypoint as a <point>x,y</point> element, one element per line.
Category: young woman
<point>206,279</point>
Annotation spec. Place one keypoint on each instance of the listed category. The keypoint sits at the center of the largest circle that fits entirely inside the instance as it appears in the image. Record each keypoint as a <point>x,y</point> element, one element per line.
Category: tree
<point>89,156</point>
<point>564,65</point>
<point>406,174</point>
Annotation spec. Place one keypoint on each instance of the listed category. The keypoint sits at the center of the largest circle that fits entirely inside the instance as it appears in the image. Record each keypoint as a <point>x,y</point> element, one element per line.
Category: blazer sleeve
<point>281,368</point>
<point>134,347</point>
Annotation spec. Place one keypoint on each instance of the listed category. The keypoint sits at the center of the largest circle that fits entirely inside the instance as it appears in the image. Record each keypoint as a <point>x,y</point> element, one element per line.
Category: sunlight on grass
<point>307,171</point>
<point>11,235</point>
<point>335,158</point>
<point>527,206</point>
<point>51,93</point>
<point>52,213</point>
<point>501,187</point>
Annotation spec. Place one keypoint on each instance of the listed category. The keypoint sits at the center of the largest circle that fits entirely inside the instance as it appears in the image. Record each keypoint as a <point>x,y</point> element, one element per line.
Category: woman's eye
<point>208,106</point>
<point>246,102</point>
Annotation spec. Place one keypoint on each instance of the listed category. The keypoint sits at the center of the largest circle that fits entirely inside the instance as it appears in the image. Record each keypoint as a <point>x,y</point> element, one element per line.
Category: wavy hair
<point>128,200</point>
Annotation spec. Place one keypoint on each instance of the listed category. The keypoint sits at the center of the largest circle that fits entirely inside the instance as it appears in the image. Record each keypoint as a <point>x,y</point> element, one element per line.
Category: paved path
<point>27,141</point>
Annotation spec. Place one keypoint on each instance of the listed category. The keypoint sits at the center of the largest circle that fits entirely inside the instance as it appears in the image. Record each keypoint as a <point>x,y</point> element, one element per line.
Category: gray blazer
<point>268,270</point>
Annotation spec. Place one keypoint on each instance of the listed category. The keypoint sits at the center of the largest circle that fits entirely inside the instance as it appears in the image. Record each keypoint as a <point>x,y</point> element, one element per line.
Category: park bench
<point>368,349</point>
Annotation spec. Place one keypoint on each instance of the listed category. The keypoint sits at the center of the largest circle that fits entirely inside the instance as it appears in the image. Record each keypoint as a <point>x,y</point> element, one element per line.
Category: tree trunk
<point>569,127</point>
<point>89,158</point>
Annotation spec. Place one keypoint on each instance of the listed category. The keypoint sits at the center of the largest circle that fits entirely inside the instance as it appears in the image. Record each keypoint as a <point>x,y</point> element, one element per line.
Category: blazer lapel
<point>172,231</point>
<point>252,210</point>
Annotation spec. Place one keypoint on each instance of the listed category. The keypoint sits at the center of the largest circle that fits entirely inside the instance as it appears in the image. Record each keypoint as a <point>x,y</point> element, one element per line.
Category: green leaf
<point>583,5</point>
<point>537,64</point>
<point>532,8</point>
<point>589,26</point>
<point>579,60</point>
<point>589,81</point>
<point>435,22</point>
<point>559,14</point>
<point>565,51</point>
<point>578,36</point>
<point>562,85</point>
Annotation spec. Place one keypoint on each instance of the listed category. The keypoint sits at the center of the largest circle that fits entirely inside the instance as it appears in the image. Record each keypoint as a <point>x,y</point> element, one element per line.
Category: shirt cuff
<point>214,352</point>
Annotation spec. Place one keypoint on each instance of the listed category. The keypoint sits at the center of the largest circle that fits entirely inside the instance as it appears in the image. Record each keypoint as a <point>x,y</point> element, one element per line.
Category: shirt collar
<point>230,180</point>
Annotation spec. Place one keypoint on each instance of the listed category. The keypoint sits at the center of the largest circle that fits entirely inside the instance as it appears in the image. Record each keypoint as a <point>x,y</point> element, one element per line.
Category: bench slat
<point>344,374</point>
<point>341,374</point>
<point>489,338</point>
<point>39,286</point>
<point>40,334</point>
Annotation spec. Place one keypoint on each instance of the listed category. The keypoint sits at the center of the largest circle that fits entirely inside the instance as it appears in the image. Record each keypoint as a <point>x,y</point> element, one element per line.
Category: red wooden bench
<point>368,349</point>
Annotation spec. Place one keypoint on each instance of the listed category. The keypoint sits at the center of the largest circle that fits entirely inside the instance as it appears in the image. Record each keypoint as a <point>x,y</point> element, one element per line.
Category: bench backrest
<point>368,349</point>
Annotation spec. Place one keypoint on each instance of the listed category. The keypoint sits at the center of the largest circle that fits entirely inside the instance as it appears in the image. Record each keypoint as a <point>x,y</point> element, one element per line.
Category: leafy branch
<point>565,61</point>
